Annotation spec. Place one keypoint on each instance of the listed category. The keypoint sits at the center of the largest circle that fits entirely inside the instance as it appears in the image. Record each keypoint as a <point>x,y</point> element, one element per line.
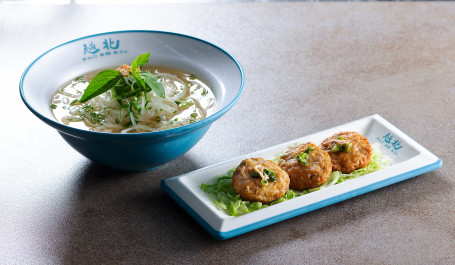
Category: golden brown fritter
<point>307,165</point>
<point>348,150</point>
<point>247,177</point>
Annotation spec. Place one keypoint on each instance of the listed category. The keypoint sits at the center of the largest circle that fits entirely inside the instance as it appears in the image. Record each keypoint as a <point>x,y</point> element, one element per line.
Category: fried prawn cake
<point>260,180</point>
<point>348,150</point>
<point>307,165</point>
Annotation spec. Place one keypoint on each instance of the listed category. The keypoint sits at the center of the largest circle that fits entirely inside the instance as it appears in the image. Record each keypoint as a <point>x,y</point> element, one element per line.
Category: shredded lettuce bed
<point>223,196</point>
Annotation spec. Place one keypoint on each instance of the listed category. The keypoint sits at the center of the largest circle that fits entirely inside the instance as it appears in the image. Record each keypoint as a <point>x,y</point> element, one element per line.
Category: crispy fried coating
<point>246,180</point>
<point>306,171</point>
<point>348,151</point>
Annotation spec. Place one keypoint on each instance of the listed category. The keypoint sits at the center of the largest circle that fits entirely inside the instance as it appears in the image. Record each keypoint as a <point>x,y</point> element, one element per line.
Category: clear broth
<point>188,99</point>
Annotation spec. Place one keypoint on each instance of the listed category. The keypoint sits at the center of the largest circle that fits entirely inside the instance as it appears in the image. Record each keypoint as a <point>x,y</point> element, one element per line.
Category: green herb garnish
<point>268,172</point>
<point>186,103</point>
<point>124,87</point>
<point>153,83</point>
<point>101,83</point>
<point>136,105</point>
<point>147,105</point>
<point>342,147</point>
<point>254,174</point>
<point>303,157</point>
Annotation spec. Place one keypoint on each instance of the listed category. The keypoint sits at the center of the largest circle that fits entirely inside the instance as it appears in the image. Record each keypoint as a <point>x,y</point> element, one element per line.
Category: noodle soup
<point>186,99</point>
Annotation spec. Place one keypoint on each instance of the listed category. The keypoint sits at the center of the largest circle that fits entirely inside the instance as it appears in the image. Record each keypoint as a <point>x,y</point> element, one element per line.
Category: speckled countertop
<point>308,67</point>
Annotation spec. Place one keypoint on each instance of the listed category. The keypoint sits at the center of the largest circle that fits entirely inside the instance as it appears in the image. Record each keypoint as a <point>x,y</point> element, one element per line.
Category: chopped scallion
<point>303,157</point>
<point>342,147</point>
<point>255,175</point>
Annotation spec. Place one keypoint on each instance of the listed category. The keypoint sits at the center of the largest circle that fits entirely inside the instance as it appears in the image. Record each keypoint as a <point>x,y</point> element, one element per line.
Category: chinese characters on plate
<point>390,142</point>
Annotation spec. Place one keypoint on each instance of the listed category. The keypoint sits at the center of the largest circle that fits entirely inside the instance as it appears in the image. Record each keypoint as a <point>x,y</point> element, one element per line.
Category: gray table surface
<point>308,67</point>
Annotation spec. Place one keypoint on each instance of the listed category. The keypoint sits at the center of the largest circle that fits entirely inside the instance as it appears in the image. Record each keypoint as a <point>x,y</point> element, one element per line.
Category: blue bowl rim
<point>138,136</point>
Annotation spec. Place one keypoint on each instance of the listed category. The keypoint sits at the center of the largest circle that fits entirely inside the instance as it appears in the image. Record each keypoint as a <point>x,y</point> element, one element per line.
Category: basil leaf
<point>139,61</point>
<point>138,79</point>
<point>101,83</point>
<point>153,83</point>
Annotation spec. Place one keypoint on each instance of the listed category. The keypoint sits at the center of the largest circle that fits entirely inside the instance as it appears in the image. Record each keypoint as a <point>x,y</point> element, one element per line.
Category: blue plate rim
<point>408,170</point>
<point>305,209</point>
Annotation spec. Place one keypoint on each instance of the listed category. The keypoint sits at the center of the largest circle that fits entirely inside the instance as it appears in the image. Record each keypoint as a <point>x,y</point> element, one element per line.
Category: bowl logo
<point>108,47</point>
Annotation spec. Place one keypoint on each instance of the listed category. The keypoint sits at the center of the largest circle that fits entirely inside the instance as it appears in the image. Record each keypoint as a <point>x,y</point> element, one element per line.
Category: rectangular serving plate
<point>407,159</point>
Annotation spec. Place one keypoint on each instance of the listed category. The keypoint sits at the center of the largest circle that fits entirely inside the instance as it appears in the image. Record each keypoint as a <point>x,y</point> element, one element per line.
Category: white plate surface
<point>407,157</point>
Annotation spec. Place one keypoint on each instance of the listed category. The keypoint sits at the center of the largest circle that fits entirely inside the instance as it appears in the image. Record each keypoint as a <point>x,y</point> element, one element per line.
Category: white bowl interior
<point>67,61</point>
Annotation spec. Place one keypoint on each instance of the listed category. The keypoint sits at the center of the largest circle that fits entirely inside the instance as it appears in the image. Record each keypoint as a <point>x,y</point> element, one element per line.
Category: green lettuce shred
<point>221,193</point>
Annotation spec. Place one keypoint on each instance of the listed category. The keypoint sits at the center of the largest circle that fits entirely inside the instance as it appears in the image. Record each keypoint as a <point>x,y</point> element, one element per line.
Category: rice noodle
<point>186,101</point>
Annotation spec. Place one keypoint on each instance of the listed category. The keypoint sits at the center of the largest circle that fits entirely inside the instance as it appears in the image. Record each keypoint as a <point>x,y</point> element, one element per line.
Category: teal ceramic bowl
<point>138,151</point>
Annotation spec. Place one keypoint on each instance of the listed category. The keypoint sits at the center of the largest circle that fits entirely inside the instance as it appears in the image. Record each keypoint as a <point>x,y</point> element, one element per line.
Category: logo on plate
<point>390,142</point>
<point>108,47</point>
